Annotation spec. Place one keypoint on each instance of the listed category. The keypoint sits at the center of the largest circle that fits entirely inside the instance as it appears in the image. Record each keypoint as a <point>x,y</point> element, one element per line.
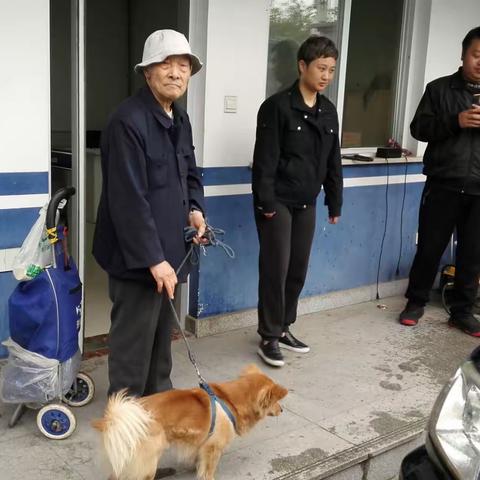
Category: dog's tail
<point>125,424</point>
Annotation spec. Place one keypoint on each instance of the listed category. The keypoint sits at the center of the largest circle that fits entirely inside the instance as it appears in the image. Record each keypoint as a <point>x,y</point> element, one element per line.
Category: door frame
<point>78,122</point>
<point>78,144</point>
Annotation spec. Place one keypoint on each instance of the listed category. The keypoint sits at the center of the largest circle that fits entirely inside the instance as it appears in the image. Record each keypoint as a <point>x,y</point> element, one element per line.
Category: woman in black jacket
<point>296,152</point>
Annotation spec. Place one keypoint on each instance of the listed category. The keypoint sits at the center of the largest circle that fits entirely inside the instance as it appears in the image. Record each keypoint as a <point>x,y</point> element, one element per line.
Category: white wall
<point>25,90</point>
<point>449,23</point>
<point>236,65</point>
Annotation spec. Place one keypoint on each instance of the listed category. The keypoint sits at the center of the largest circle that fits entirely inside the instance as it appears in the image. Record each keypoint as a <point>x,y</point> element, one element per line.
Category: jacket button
<point>299,128</point>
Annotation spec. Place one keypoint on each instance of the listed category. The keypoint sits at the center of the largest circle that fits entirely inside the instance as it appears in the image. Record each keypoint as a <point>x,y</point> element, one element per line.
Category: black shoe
<point>465,322</point>
<point>270,353</point>
<point>411,314</point>
<point>289,342</point>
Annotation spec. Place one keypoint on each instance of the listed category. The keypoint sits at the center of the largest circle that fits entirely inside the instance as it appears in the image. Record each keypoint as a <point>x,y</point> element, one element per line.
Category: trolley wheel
<point>56,421</point>
<point>81,392</point>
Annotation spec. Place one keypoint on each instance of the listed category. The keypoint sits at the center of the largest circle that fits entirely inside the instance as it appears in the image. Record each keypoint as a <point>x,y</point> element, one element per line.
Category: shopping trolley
<point>42,369</point>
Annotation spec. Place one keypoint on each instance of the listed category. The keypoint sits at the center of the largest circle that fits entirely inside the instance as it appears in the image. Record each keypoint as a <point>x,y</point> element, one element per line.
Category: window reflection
<point>372,63</point>
<point>291,22</point>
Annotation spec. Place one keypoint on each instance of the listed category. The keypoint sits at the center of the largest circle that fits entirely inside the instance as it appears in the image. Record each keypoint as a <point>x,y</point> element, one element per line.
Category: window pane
<point>373,54</point>
<point>291,22</point>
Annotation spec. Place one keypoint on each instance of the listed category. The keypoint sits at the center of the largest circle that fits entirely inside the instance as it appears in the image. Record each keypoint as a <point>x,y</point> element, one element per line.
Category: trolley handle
<point>57,197</point>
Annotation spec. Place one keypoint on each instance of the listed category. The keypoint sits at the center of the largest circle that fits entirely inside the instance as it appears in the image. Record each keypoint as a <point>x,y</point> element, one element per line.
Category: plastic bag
<point>32,378</point>
<point>36,252</point>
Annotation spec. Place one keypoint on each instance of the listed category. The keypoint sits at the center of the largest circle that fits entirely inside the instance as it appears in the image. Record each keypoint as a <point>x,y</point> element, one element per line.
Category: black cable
<point>385,228</point>
<point>446,287</point>
<point>397,271</point>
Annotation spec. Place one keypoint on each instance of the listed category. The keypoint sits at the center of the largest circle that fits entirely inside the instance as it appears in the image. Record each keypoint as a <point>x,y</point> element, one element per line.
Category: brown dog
<point>136,431</point>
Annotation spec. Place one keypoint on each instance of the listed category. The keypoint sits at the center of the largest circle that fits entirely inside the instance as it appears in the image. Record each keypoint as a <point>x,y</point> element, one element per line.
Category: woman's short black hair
<point>316,47</point>
<point>472,35</point>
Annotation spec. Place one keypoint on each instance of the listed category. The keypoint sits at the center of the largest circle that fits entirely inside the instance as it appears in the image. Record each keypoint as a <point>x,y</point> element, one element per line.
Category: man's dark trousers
<point>140,356</point>
<point>285,244</point>
<point>441,212</point>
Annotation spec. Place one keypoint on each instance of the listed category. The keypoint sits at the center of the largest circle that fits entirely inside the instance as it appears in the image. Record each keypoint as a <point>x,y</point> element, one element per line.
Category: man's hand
<point>165,276</point>
<point>198,223</point>
<point>333,220</point>
<point>470,118</point>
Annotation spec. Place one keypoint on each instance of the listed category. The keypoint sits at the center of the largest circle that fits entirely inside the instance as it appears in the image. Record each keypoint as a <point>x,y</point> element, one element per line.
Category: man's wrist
<point>194,209</point>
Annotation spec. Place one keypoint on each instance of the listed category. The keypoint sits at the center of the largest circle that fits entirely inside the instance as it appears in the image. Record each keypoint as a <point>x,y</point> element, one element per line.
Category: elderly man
<point>448,118</point>
<point>151,190</point>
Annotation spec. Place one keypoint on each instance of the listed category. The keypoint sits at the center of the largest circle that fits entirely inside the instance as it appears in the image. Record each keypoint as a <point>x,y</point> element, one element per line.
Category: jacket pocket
<point>183,158</point>
<point>329,134</point>
<point>297,140</point>
<point>158,171</point>
<point>330,129</point>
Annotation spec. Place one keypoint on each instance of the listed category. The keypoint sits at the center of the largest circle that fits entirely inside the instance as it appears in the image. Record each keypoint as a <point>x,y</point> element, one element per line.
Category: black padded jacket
<point>452,157</point>
<point>296,152</point>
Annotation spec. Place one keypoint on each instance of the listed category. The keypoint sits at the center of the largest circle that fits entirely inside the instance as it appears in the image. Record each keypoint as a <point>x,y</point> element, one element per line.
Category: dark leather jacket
<point>296,152</point>
<point>452,157</point>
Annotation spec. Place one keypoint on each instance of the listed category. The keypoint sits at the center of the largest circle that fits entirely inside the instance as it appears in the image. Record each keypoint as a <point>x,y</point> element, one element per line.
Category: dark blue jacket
<point>150,183</point>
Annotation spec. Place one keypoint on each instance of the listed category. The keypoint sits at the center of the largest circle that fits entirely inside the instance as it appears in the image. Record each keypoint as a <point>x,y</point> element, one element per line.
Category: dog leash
<point>211,234</point>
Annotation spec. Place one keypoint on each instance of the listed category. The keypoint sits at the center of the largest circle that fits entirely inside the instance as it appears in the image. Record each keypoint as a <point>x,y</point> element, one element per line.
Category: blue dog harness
<point>214,399</point>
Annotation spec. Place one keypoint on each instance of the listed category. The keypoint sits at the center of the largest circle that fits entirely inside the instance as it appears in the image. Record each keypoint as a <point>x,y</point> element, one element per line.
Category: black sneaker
<point>411,314</point>
<point>289,342</point>
<point>270,353</point>
<point>465,322</point>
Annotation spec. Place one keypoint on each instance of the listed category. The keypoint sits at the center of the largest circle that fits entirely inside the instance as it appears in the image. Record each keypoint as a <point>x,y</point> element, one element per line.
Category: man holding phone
<point>448,118</point>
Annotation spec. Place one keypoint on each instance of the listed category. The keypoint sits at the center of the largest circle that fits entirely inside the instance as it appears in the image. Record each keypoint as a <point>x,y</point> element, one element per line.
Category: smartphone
<point>476,99</point>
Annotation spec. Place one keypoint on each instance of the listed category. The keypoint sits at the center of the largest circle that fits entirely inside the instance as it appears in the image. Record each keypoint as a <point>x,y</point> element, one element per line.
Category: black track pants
<point>140,356</point>
<point>285,243</point>
<point>441,212</point>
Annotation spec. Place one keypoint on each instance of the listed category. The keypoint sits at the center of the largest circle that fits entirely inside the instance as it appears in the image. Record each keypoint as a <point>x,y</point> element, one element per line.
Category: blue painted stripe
<point>23,183</point>
<point>243,175</point>
<point>343,256</point>
<point>226,175</point>
<point>16,223</point>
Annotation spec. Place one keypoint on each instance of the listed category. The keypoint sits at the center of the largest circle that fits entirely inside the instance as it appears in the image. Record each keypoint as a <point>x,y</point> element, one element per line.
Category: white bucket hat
<point>164,43</point>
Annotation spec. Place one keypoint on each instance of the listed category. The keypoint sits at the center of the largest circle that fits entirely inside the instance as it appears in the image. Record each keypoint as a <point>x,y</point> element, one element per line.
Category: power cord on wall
<point>385,226</point>
<point>397,271</point>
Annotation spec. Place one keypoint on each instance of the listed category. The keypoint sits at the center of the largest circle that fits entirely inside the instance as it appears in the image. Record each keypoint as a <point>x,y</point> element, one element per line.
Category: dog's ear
<point>271,394</point>
<point>278,392</point>
<point>249,370</point>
